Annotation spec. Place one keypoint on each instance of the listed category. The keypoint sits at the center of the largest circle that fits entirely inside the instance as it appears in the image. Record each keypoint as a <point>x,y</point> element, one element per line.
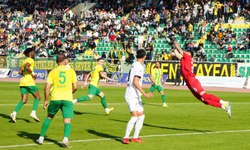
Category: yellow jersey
<point>190,28</point>
<point>156,74</point>
<point>62,77</point>
<point>164,57</point>
<point>95,75</point>
<point>27,79</point>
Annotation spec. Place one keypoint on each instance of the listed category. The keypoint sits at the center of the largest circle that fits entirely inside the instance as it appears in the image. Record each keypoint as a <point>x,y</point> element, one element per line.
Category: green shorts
<point>66,107</point>
<point>154,87</point>
<point>28,89</point>
<point>94,90</point>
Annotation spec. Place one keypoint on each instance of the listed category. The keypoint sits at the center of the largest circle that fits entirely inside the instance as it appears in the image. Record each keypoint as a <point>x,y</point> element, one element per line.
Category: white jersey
<point>136,70</point>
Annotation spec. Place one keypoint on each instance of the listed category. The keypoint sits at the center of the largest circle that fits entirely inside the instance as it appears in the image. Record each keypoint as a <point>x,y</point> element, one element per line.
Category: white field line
<point>114,138</point>
<point>93,104</point>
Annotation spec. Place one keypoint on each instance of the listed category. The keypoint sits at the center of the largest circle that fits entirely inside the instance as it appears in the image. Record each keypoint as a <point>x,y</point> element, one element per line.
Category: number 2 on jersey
<point>62,75</point>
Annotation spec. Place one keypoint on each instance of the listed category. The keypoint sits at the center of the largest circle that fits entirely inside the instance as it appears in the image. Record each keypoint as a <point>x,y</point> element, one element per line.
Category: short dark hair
<point>192,53</point>
<point>99,59</point>
<point>140,53</point>
<point>60,58</point>
<point>157,62</point>
<point>27,51</point>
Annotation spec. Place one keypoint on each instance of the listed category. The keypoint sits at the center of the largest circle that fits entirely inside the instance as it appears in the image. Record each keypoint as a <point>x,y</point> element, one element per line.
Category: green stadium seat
<point>157,46</point>
<point>242,56</point>
<point>248,61</point>
<point>219,56</point>
<point>242,52</point>
<point>247,56</point>
<point>233,43</point>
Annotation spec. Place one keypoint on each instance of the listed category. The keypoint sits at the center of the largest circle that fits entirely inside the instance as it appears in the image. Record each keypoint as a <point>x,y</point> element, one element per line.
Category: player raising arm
<point>27,84</point>
<point>156,78</point>
<point>65,84</point>
<point>133,98</point>
<point>94,86</point>
<point>194,84</point>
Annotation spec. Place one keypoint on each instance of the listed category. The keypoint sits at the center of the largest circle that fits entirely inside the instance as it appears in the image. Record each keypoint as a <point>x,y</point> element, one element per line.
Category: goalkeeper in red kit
<point>194,84</point>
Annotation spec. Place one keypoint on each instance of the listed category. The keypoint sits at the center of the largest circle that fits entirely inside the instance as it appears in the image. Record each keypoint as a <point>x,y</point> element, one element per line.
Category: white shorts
<point>135,105</point>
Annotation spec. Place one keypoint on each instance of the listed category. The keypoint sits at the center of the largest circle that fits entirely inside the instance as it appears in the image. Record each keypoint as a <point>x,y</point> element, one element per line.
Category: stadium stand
<point>125,27</point>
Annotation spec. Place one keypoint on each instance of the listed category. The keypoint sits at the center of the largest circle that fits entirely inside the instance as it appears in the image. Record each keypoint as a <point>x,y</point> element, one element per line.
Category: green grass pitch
<point>187,125</point>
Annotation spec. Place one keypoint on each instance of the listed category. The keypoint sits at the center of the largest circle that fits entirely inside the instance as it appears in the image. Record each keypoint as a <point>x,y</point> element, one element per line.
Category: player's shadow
<point>35,136</point>
<point>87,113</point>
<point>168,128</point>
<point>10,120</point>
<point>116,138</point>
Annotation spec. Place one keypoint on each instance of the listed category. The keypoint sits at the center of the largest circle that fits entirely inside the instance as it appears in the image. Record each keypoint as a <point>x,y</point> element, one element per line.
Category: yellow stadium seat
<point>244,26</point>
<point>239,26</point>
<point>234,25</point>
<point>225,25</point>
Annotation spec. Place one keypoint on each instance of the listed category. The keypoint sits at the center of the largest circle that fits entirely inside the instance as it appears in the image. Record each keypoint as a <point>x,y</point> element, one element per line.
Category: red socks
<point>210,99</point>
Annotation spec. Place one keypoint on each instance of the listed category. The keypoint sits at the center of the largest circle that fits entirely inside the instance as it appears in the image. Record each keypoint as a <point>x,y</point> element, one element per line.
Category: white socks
<point>41,138</point>
<point>65,139</point>
<point>106,109</point>
<point>223,107</point>
<point>75,100</point>
<point>14,113</point>
<point>222,102</point>
<point>138,126</point>
<point>33,112</point>
<point>130,126</point>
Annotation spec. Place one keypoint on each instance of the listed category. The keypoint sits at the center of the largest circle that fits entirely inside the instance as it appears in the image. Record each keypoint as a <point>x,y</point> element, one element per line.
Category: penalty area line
<point>145,136</point>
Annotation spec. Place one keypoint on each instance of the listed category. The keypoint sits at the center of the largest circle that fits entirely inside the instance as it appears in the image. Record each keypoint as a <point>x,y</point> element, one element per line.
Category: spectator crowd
<point>128,25</point>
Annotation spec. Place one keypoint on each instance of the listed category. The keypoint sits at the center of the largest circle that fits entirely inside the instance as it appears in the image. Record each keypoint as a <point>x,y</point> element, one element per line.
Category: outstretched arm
<point>177,45</point>
<point>177,54</point>
<point>105,77</point>
<point>86,81</point>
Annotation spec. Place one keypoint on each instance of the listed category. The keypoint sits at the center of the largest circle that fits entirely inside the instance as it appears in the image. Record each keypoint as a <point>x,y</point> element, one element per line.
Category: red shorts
<point>194,86</point>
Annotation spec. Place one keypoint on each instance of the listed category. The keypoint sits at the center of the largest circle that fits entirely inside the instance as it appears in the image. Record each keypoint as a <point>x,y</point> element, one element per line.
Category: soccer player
<point>67,65</point>
<point>194,84</point>
<point>27,84</point>
<point>156,78</point>
<point>94,86</point>
<point>133,98</point>
<point>65,84</point>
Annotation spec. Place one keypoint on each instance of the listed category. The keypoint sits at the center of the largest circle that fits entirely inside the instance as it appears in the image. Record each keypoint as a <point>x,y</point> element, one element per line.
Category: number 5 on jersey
<point>62,77</point>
